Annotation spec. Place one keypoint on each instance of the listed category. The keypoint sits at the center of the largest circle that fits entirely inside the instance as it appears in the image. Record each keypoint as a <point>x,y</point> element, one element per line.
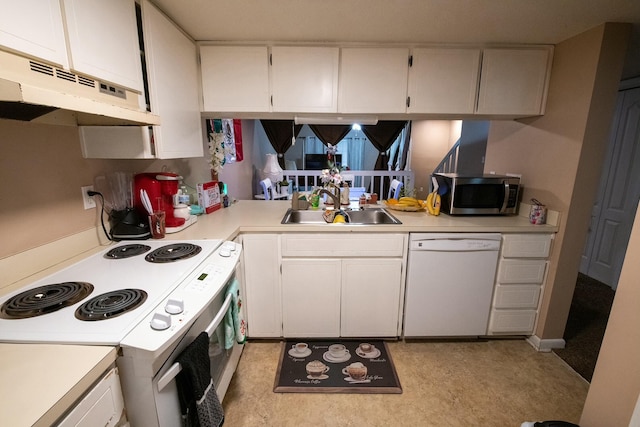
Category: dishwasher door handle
<point>455,245</point>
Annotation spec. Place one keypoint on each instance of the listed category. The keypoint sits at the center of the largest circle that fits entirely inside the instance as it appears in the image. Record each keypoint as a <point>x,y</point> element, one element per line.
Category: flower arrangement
<point>331,175</point>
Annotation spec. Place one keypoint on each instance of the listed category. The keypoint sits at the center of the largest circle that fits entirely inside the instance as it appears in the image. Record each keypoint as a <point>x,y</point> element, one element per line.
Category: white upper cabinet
<point>235,78</point>
<point>34,27</point>
<point>103,40</point>
<point>514,81</point>
<point>373,80</point>
<point>174,95</point>
<point>304,79</point>
<point>443,80</point>
<point>174,92</point>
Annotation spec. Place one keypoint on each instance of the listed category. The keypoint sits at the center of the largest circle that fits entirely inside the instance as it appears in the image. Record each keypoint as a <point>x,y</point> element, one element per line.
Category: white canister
<point>538,213</point>
<point>181,211</point>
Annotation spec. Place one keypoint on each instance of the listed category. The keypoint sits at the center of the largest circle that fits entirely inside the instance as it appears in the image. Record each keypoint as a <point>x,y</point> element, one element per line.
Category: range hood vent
<point>30,89</point>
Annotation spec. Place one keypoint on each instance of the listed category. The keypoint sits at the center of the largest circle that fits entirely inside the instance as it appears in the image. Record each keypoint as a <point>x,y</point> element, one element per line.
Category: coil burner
<point>44,299</point>
<point>127,251</point>
<point>173,252</point>
<point>111,304</point>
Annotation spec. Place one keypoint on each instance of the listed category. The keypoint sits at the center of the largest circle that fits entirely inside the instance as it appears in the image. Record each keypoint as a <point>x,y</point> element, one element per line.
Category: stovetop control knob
<point>160,321</point>
<point>174,306</point>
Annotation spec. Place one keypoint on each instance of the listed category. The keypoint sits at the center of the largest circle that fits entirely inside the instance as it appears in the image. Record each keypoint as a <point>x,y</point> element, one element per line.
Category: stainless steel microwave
<point>478,194</point>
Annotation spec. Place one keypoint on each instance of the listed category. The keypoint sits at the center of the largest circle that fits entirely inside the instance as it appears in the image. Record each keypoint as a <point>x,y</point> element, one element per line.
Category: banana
<point>430,208</point>
<point>408,199</point>
<point>433,203</point>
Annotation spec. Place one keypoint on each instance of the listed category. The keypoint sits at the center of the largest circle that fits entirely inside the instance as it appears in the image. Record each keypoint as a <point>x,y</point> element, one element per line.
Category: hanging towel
<point>234,326</point>
<point>198,398</point>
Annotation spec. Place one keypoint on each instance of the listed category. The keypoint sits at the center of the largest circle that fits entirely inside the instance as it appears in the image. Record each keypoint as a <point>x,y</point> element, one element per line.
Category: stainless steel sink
<point>356,217</point>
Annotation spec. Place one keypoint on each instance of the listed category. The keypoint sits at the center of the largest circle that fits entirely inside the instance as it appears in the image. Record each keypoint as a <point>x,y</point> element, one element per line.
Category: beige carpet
<point>483,383</point>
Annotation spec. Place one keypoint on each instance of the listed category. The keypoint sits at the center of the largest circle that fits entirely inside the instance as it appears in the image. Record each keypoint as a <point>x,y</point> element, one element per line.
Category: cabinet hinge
<point>408,101</point>
<point>410,60</point>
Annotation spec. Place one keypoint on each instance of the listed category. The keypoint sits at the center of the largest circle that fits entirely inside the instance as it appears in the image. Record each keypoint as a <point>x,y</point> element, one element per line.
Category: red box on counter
<point>209,196</point>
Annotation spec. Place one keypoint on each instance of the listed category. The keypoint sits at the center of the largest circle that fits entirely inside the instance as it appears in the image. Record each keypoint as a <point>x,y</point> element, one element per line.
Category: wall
<point>615,386</point>
<point>238,175</point>
<point>560,154</point>
<point>430,141</point>
<point>42,170</point>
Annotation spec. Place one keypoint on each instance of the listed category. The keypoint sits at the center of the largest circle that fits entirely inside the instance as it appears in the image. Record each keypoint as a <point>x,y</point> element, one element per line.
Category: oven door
<point>223,362</point>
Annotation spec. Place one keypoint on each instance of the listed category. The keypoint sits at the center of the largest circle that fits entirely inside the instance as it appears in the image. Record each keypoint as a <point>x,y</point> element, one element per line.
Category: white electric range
<point>151,298</point>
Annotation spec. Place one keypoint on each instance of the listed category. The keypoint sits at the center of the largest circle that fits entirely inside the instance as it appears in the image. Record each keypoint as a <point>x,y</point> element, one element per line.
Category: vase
<point>272,169</point>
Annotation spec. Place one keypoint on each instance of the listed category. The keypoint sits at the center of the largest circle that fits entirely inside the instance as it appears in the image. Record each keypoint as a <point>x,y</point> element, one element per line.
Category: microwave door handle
<point>506,197</point>
<point>176,368</point>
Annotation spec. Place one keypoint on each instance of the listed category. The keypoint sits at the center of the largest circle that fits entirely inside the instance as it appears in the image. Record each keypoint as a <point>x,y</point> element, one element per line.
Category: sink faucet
<point>335,196</point>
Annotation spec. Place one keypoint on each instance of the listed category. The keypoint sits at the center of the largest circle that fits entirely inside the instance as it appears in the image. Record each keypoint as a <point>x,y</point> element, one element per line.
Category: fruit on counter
<point>410,201</point>
<point>433,203</point>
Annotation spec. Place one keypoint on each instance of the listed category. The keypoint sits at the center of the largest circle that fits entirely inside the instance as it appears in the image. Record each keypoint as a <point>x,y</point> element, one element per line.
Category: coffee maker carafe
<point>161,188</point>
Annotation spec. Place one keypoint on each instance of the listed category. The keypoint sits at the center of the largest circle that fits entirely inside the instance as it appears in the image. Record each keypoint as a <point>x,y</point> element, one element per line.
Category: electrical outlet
<point>88,201</point>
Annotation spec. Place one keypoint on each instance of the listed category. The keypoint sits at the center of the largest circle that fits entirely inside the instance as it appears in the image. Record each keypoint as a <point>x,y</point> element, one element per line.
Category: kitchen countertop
<point>253,216</point>
<point>63,373</point>
<point>40,382</point>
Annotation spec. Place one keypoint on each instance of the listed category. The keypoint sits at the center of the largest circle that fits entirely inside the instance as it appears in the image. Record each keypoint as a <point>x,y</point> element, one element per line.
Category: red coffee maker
<point>161,188</point>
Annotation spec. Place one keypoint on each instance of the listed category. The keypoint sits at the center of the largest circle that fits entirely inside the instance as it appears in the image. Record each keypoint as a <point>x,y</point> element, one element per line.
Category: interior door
<point>618,196</point>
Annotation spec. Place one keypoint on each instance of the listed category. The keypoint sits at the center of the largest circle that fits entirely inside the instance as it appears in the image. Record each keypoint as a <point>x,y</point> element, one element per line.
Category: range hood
<point>35,91</point>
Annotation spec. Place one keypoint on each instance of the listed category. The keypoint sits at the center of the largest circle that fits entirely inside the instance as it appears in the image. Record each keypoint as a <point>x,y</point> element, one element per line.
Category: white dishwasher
<point>450,279</point>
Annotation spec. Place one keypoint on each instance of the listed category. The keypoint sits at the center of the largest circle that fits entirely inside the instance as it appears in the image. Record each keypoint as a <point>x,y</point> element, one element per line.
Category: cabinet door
<point>235,78</point>
<point>443,80</point>
<point>311,297</point>
<point>262,284</point>
<point>373,80</point>
<point>304,79</point>
<point>370,297</point>
<point>514,81</point>
<point>103,40</point>
<point>173,86</point>
<point>34,27</point>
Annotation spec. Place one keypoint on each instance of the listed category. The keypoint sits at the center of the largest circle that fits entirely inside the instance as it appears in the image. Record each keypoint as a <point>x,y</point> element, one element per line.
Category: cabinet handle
<point>410,60</point>
<point>270,59</point>
<point>408,101</point>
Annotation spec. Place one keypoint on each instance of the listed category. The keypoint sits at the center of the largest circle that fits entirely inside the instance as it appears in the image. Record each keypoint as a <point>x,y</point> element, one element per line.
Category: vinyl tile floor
<point>497,383</point>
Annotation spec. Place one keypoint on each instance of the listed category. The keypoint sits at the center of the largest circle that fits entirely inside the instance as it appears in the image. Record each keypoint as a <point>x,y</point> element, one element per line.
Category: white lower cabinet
<point>103,405</point>
<point>522,269</point>
<point>371,290</point>
<point>262,285</point>
<point>332,285</point>
<point>311,297</point>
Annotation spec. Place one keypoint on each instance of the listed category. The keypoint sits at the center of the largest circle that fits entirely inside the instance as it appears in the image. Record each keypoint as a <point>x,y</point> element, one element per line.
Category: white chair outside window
<point>394,189</point>
<point>267,188</point>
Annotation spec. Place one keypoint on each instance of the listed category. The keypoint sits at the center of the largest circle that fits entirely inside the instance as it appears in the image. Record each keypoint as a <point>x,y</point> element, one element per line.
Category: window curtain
<point>405,148</point>
<point>330,134</point>
<point>280,133</point>
<point>382,136</point>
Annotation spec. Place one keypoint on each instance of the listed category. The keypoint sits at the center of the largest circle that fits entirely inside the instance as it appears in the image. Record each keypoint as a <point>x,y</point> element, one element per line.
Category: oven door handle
<point>176,368</point>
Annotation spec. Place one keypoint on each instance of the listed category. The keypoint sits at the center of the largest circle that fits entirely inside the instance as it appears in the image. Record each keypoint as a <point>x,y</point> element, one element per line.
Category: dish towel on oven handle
<point>198,398</point>
<point>234,325</point>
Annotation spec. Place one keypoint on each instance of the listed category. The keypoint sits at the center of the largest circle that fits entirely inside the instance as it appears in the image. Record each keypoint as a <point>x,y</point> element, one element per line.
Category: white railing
<point>305,180</point>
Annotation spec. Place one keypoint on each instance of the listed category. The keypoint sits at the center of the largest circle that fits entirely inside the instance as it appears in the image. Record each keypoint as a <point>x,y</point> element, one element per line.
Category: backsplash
<point>42,170</point>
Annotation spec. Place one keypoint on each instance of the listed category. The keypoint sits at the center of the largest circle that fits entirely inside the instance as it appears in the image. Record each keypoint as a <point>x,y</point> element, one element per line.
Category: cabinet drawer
<point>343,245</point>
<point>512,321</point>
<point>521,271</point>
<point>516,296</point>
<point>526,245</point>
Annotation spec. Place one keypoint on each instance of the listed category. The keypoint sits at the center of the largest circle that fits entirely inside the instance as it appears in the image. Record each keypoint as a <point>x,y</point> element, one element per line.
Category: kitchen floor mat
<point>339,366</point>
